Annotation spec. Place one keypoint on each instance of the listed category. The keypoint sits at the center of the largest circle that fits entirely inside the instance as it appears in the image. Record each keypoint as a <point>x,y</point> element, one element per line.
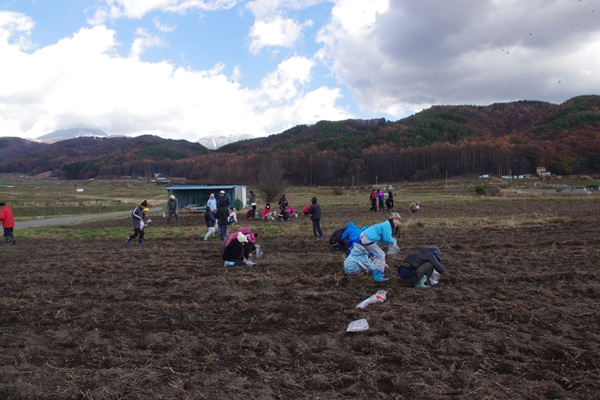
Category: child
<point>267,213</point>
<point>210,219</point>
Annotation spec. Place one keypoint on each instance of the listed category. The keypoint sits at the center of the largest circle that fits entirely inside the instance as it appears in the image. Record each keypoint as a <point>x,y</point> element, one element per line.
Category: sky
<point>188,69</point>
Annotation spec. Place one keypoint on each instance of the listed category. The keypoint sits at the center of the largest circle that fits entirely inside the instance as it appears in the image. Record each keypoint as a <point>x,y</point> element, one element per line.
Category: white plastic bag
<point>258,251</point>
<point>141,225</point>
<point>378,297</point>
<point>434,278</point>
<point>249,262</point>
<point>393,249</point>
<point>149,220</point>
<point>358,325</point>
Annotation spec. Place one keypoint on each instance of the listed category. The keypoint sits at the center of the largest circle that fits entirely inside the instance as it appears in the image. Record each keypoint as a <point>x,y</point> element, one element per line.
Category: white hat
<point>241,237</point>
<point>172,197</point>
<point>222,192</point>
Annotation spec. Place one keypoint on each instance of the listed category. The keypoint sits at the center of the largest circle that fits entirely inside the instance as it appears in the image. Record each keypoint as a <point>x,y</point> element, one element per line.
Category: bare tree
<point>270,181</point>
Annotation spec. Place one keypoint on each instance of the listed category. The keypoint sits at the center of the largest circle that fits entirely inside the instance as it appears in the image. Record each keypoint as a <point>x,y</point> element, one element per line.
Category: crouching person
<point>380,233</point>
<point>233,255</point>
<point>358,260</point>
<point>416,268</point>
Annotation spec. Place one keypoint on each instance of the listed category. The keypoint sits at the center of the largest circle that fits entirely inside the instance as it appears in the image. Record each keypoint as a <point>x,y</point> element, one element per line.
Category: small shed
<point>198,195</point>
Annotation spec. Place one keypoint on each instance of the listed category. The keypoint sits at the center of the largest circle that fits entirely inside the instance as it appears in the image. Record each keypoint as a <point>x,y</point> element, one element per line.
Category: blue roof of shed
<point>199,187</point>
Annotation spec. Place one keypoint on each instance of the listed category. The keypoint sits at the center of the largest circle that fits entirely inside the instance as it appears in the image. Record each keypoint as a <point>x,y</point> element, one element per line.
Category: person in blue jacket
<point>380,233</point>
<point>417,267</point>
<point>351,235</point>
<point>359,259</point>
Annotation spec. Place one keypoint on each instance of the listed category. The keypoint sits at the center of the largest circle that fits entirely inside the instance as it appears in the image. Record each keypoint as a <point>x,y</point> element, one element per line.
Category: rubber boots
<point>206,237</point>
<point>422,284</point>
<point>378,276</point>
<point>229,264</point>
<point>14,241</point>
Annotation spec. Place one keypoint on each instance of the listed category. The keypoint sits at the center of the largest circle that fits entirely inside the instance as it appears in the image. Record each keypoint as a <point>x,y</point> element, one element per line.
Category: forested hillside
<point>453,140</point>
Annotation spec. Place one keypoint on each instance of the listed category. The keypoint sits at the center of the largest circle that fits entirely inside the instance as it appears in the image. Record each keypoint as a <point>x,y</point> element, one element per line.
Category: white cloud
<point>279,31</point>
<point>16,24</point>
<point>114,9</point>
<point>165,28</point>
<point>143,41</point>
<point>407,55</point>
<point>82,81</point>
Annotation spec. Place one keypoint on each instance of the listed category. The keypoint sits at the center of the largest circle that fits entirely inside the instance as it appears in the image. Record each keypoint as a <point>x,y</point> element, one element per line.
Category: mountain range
<point>455,140</point>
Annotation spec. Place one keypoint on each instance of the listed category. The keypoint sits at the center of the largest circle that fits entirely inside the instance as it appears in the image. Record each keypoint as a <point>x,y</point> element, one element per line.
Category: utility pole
<point>375,179</point>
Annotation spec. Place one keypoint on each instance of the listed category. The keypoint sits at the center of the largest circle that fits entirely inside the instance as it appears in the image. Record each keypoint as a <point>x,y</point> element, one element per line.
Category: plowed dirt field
<point>515,316</point>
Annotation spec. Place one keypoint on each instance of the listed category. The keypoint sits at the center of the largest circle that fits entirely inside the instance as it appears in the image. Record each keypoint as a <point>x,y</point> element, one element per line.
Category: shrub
<point>480,189</point>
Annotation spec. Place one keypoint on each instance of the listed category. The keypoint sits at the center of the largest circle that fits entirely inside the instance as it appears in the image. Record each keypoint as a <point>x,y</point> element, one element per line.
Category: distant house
<point>540,170</point>
<point>198,195</point>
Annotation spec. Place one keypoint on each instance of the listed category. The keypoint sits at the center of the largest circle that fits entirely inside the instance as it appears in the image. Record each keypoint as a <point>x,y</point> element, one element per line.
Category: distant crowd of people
<point>362,245</point>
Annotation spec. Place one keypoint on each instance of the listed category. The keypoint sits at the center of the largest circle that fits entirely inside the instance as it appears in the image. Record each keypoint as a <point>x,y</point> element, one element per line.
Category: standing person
<point>373,200</point>
<point>139,219</point>
<point>224,198</point>
<point>222,216</point>
<point>381,198</point>
<point>315,217</point>
<point>212,203</point>
<point>209,218</point>
<point>173,208</point>
<point>389,202</point>
<point>252,204</point>
<point>8,223</point>
<point>381,233</point>
<point>233,255</point>
<point>283,203</point>
<point>417,267</point>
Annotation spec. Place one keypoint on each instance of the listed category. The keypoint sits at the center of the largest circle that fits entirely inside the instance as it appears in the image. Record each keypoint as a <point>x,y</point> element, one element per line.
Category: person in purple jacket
<point>417,267</point>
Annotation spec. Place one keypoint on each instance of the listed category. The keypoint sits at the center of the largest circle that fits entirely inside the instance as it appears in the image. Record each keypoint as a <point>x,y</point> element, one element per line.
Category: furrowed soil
<point>515,316</point>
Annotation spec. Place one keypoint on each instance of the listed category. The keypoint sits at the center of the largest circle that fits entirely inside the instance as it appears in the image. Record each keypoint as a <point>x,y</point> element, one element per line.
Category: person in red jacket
<point>8,223</point>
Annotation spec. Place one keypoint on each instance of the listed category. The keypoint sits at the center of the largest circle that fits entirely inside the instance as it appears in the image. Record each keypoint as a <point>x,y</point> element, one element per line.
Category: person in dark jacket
<point>283,203</point>
<point>233,254</point>
<point>373,200</point>
<point>138,218</point>
<point>417,267</point>
<point>389,202</point>
<point>315,217</point>
<point>222,217</point>
<point>252,204</point>
<point>211,221</point>
<point>172,208</point>
<point>335,240</point>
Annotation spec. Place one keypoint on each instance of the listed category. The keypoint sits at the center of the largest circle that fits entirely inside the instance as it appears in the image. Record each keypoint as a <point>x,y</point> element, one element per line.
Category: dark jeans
<point>317,228</point>
<point>136,232</point>
<point>424,269</point>
<point>223,231</point>
<point>8,232</point>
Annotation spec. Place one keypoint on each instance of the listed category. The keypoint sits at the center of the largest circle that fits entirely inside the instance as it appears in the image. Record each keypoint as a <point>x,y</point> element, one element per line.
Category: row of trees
<point>309,166</point>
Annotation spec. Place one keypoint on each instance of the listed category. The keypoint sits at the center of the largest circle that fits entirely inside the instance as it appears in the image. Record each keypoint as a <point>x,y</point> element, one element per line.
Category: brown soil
<point>515,316</point>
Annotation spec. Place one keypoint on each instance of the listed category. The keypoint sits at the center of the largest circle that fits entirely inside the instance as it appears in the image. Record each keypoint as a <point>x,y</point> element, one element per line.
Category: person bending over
<point>417,267</point>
